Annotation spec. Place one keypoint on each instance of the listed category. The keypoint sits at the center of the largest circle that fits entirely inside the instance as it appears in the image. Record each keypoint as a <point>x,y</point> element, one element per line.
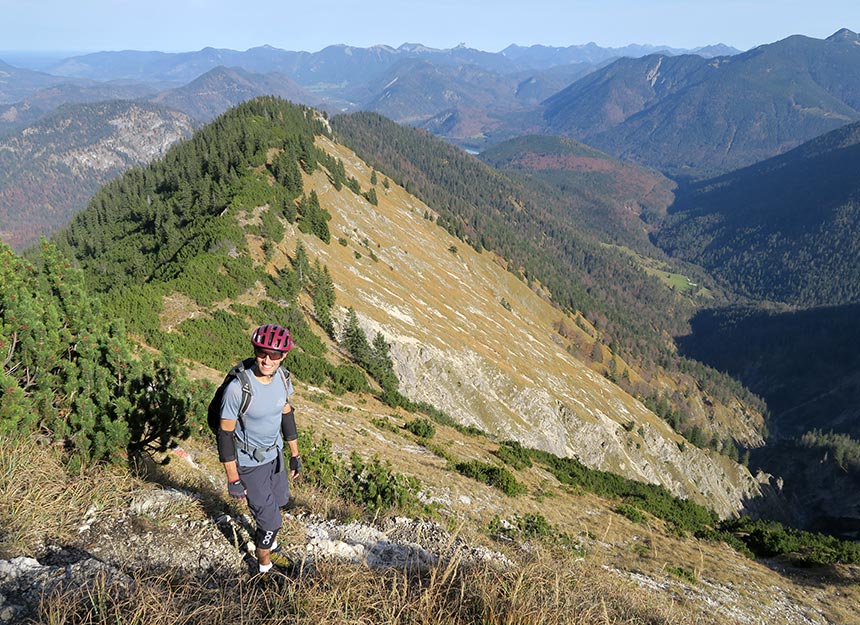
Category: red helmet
<point>271,336</point>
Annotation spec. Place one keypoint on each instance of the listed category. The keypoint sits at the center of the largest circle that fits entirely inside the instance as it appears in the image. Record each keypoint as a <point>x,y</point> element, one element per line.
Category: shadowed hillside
<point>786,229</point>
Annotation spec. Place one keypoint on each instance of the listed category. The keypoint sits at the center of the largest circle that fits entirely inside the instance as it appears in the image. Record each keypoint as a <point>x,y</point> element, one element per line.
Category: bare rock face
<point>571,411</point>
<point>136,136</point>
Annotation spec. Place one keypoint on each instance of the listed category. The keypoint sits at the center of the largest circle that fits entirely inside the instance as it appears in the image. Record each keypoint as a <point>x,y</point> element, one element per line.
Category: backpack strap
<point>247,392</point>
<point>285,378</point>
<point>241,372</point>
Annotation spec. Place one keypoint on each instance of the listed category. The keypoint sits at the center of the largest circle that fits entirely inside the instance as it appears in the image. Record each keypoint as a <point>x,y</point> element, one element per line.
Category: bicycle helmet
<point>271,336</point>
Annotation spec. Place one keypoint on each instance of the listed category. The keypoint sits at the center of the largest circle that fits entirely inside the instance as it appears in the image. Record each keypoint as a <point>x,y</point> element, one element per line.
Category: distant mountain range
<point>220,88</point>
<point>17,83</point>
<point>341,77</point>
<point>341,61</point>
<point>689,115</point>
<point>686,112</point>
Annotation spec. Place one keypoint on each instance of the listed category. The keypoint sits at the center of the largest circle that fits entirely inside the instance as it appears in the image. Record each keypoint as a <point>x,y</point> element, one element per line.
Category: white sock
<point>265,568</point>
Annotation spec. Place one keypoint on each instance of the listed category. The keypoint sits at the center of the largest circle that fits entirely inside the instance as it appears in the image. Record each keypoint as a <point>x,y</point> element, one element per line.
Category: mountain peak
<point>843,34</point>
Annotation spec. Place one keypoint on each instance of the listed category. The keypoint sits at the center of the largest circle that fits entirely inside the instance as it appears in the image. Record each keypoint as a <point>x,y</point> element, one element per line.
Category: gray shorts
<point>268,489</point>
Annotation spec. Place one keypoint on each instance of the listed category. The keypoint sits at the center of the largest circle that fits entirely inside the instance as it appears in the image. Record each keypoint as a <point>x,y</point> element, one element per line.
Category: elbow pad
<point>288,425</point>
<point>226,445</point>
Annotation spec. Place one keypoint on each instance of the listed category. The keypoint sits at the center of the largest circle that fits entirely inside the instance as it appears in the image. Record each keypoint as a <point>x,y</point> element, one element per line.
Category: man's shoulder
<point>234,386</point>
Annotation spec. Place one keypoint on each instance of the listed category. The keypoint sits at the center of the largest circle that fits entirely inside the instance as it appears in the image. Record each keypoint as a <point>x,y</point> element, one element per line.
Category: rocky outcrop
<point>50,170</point>
<point>569,410</point>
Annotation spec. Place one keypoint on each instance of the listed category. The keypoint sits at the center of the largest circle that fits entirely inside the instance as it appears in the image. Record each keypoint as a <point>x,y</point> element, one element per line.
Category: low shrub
<point>513,454</point>
<point>498,477</point>
<point>368,483</point>
<point>631,512</point>
<point>766,539</point>
<point>422,428</point>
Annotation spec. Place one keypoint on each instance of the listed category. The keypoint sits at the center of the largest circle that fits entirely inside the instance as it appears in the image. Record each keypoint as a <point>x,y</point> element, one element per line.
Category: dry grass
<point>41,503</point>
<point>39,498</point>
<point>549,588</point>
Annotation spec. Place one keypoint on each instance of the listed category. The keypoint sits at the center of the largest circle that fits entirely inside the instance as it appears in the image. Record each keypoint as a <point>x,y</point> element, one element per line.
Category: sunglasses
<point>273,355</point>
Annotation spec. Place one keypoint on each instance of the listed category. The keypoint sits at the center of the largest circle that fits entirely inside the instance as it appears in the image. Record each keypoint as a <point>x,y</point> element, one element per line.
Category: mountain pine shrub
<point>71,377</point>
<point>513,454</point>
<point>371,483</point>
<point>421,427</point>
<point>492,475</point>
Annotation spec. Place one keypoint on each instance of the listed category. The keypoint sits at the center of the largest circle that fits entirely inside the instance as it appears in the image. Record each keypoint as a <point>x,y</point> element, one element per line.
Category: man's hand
<point>295,466</point>
<point>236,490</point>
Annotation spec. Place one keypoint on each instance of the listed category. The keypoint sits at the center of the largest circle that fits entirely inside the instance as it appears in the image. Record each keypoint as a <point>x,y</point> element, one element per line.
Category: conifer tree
<point>323,296</point>
<point>302,265</point>
<point>355,339</point>
<point>381,366</point>
<point>314,219</point>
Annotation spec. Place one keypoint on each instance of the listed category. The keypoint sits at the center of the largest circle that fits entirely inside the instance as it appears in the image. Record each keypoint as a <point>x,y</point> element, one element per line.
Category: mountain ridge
<point>643,112</point>
<point>50,172</point>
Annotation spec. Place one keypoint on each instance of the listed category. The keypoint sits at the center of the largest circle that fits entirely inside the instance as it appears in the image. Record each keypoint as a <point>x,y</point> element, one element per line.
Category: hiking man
<point>250,443</point>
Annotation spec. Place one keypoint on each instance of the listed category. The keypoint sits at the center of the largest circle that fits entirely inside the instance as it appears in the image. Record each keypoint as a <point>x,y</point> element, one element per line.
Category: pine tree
<point>381,366</point>
<point>323,297</point>
<point>302,265</point>
<point>71,374</point>
<point>355,339</point>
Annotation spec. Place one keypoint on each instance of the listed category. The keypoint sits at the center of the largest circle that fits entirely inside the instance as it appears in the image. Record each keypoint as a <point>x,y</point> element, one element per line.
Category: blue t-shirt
<point>262,420</point>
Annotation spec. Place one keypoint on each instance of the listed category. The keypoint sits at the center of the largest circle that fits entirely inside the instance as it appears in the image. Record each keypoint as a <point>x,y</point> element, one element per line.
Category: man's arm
<point>227,452</point>
<point>291,436</point>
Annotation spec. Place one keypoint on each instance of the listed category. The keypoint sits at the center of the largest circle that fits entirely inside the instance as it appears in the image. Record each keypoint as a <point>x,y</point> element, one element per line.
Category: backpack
<point>240,370</point>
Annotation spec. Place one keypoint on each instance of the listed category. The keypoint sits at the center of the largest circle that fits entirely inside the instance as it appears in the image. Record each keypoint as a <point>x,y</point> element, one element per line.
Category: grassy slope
<point>631,572</point>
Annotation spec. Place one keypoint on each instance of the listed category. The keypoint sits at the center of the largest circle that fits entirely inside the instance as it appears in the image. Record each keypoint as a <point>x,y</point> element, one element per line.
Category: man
<point>250,444</point>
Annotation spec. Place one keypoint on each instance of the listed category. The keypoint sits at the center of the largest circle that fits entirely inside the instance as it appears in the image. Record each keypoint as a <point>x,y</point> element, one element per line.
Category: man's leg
<point>258,482</point>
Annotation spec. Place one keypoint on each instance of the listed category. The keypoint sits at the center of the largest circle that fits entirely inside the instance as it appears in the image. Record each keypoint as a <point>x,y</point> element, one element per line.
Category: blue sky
<point>310,25</point>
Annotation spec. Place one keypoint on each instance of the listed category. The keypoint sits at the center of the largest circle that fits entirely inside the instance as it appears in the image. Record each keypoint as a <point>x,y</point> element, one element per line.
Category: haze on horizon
<point>59,26</point>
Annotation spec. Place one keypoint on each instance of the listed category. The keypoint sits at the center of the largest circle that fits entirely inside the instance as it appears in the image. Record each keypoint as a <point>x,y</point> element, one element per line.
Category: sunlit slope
<point>471,339</point>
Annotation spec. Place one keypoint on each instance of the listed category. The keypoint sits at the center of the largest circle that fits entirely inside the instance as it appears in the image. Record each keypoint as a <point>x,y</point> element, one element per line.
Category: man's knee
<point>265,538</point>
